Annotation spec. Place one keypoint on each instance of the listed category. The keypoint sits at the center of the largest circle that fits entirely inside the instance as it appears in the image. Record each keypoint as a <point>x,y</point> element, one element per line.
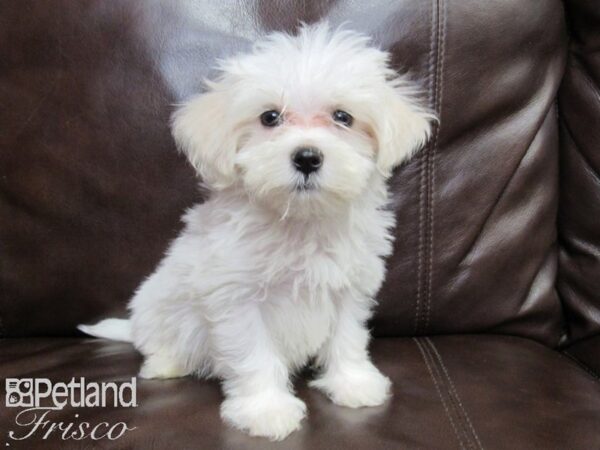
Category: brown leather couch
<point>489,321</point>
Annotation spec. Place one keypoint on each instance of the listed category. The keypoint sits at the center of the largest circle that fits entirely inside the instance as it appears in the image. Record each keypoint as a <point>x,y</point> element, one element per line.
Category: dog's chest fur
<point>298,271</point>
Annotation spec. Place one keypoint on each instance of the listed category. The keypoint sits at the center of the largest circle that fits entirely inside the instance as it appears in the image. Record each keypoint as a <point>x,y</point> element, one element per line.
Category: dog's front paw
<point>273,415</point>
<point>355,387</point>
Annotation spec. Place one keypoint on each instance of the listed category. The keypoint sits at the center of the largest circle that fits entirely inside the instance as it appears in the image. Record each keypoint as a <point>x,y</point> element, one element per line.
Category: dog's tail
<point>115,329</point>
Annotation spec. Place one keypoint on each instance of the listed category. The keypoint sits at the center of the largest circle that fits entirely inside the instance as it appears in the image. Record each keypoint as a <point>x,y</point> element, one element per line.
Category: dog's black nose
<point>307,159</point>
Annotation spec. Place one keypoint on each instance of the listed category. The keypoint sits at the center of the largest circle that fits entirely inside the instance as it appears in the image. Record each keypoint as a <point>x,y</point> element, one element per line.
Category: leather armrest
<point>579,202</point>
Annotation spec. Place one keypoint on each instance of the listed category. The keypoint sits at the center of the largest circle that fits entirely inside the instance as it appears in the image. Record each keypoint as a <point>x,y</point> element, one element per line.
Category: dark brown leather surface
<point>579,218</point>
<point>467,392</point>
<point>90,185</point>
<point>91,188</point>
<point>586,353</point>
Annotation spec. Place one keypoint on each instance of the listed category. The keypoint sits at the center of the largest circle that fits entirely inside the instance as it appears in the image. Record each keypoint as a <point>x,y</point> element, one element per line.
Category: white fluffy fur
<point>265,276</point>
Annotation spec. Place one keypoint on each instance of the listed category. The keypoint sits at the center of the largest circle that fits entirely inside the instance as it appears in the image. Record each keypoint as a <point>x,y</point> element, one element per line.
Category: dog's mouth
<point>306,184</point>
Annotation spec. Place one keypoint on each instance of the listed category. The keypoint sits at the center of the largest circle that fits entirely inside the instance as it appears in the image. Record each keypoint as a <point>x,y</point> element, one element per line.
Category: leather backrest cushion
<point>91,186</point>
<point>579,217</point>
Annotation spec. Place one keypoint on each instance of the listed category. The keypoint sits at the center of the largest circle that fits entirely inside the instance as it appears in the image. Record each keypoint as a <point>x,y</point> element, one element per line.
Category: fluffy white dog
<point>295,140</point>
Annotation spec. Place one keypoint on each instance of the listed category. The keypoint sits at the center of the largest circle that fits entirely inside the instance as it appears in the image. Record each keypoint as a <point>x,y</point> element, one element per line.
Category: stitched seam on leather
<point>441,42</point>
<point>454,392</point>
<point>453,403</point>
<point>439,391</point>
<point>423,168</point>
<point>429,363</point>
<point>420,244</point>
<point>426,204</point>
<point>430,153</point>
<point>582,365</point>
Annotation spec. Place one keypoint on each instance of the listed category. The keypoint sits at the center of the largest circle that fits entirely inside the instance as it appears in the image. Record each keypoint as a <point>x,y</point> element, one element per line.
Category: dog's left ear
<point>204,133</point>
<point>403,129</point>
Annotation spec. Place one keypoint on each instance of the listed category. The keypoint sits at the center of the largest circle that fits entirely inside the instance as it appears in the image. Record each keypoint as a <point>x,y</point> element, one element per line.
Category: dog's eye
<point>342,117</point>
<point>270,118</point>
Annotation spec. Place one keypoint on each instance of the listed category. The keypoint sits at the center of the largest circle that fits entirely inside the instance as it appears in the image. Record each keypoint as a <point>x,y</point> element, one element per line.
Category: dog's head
<point>302,121</point>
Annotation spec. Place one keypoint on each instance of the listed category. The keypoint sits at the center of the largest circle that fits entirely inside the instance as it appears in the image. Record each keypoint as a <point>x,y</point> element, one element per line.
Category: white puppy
<point>295,140</point>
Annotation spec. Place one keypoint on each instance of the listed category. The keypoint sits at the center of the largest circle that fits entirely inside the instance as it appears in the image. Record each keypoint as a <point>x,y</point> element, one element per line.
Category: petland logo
<point>41,397</point>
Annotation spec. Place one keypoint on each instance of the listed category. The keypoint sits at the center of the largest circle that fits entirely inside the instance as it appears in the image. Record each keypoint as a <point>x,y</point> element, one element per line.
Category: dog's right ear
<point>204,133</point>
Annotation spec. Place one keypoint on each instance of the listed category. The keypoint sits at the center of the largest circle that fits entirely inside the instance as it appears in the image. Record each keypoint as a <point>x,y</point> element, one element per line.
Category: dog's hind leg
<point>166,326</point>
<point>159,365</point>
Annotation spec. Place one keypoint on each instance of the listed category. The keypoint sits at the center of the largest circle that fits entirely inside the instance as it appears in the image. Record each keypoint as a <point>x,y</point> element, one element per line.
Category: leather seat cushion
<point>470,391</point>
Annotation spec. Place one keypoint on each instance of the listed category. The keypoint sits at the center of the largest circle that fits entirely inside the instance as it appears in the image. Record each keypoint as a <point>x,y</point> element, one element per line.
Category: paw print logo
<point>19,392</point>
